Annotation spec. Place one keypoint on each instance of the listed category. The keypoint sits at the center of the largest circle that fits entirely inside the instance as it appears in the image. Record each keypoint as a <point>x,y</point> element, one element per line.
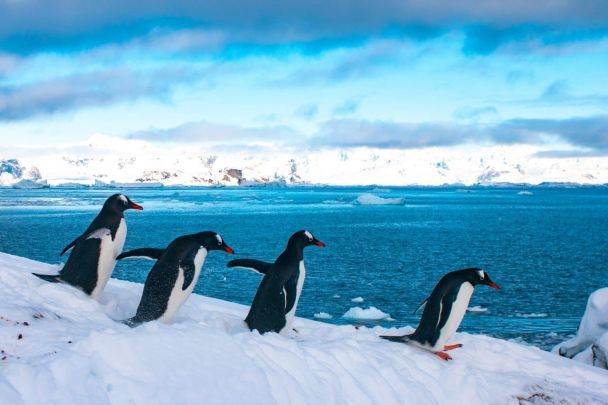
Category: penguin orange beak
<point>319,243</point>
<point>229,250</point>
<point>134,206</point>
<point>493,285</point>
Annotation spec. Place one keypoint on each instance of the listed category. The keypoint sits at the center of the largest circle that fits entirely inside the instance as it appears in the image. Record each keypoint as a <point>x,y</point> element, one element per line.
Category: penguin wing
<point>251,264</point>
<point>446,308</point>
<point>146,253</point>
<point>291,291</point>
<point>421,305</point>
<point>70,245</point>
<point>187,266</point>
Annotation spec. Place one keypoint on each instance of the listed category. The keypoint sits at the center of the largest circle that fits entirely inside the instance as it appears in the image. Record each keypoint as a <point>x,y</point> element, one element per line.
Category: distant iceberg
<point>477,309</point>
<point>371,313</point>
<point>370,199</point>
<point>323,315</point>
<point>31,184</point>
<point>525,193</point>
<point>358,300</point>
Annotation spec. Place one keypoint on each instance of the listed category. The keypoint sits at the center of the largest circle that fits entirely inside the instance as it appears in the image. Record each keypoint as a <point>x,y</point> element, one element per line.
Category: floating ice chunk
<point>477,308</point>
<point>370,199</point>
<point>532,315</point>
<point>371,313</point>
<point>323,315</point>
<point>525,193</point>
<point>357,300</point>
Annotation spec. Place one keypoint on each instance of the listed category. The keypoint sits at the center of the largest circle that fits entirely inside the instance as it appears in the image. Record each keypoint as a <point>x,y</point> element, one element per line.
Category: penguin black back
<point>93,255</point>
<point>172,278</point>
<point>276,299</point>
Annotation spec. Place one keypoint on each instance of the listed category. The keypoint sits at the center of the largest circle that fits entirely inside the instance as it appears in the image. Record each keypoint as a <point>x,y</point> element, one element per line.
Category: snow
<point>370,199</point>
<point>103,159</point>
<point>323,315</point>
<point>371,313</point>
<point>590,345</point>
<point>72,351</point>
<point>357,300</point>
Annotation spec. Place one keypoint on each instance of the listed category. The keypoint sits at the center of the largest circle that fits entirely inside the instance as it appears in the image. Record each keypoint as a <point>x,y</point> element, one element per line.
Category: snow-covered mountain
<point>105,159</point>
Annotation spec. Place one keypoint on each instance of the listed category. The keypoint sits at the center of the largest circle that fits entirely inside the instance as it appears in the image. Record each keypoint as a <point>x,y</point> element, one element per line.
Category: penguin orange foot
<point>443,356</point>
<point>452,347</point>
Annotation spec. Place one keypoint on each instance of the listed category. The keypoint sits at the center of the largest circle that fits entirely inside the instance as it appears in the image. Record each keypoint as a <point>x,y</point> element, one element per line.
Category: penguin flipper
<point>251,264</point>
<point>421,305</point>
<point>70,246</point>
<point>51,278</point>
<point>146,253</point>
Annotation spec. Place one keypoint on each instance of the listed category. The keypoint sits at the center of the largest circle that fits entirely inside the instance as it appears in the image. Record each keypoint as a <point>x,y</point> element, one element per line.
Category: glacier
<point>115,161</point>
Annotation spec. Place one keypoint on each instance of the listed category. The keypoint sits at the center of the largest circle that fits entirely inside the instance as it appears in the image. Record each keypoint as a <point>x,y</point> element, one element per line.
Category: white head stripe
<point>122,198</point>
<point>481,274</point>
<point>308,234</point>
<point>219,238</point>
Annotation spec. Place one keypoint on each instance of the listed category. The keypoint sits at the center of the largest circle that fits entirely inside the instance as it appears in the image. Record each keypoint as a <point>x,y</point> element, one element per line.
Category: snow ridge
<point>61,347</point>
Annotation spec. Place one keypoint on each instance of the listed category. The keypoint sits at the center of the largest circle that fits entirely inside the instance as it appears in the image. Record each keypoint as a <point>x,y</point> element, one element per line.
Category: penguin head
<point>213,241</point>
<point>304,238</point>
<point>120,203</point>
<point>477,276</point>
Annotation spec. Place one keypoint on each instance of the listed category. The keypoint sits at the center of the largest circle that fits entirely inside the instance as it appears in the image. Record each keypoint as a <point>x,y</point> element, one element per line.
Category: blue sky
<point>390,74</point>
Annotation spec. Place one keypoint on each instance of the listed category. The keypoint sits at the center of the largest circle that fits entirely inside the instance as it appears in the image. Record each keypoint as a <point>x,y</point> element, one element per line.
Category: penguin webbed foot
<point>452,347</point>
<point>443,356</point>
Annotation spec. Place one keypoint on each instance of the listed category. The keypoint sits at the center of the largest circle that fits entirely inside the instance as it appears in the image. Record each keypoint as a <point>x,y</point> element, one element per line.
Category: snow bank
<point>370,199</point>
<point>371,313</point>
<point>72,351</point>
<point>590,345</point>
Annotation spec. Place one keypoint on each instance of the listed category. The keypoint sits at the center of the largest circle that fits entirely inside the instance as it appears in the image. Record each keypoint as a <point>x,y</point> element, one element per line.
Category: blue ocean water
<point>548,251</point>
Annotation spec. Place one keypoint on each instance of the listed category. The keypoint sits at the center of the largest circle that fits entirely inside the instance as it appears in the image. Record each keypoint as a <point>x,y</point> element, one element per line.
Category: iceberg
<point>371,313</point>
<point>371,199</point>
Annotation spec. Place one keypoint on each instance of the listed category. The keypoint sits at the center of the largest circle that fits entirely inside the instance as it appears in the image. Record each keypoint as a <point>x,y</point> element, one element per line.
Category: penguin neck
<point>295,249</point>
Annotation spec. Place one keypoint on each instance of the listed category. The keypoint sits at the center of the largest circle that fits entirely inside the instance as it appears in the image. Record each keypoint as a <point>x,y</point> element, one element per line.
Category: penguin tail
<point>51,278</point>
<point>131,322</point>
<point>398,339</point>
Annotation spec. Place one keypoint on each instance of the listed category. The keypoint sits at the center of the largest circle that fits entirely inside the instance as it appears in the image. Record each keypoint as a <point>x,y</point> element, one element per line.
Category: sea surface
<point>547,248</point>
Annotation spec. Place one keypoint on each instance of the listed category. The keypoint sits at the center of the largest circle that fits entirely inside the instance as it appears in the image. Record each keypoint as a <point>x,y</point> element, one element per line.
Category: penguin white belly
<point>289,317</point>
<point>178,295</point>
<point>459,308</point>
<point>108,250</point>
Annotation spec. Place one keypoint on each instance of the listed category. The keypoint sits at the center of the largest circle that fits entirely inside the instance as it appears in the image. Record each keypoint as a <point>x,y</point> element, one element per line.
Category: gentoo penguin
<point>93,257</point>
<point>444,310</point>
<point>174,274</point>
<point>274,306</point>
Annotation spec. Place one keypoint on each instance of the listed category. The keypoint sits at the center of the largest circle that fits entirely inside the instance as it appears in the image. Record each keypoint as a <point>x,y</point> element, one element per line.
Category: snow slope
<point>71,351</point>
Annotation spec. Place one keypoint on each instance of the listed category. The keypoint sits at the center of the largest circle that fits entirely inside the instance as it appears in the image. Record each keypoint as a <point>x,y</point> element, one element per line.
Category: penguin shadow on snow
<point>444,310</point>
<point>173,275</point>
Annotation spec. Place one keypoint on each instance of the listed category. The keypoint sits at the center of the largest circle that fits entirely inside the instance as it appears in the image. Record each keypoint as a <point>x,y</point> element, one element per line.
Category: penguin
<point>275,302</point>
<point>444,310</point>
<point>94,253</point>
<point>173,276</point>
